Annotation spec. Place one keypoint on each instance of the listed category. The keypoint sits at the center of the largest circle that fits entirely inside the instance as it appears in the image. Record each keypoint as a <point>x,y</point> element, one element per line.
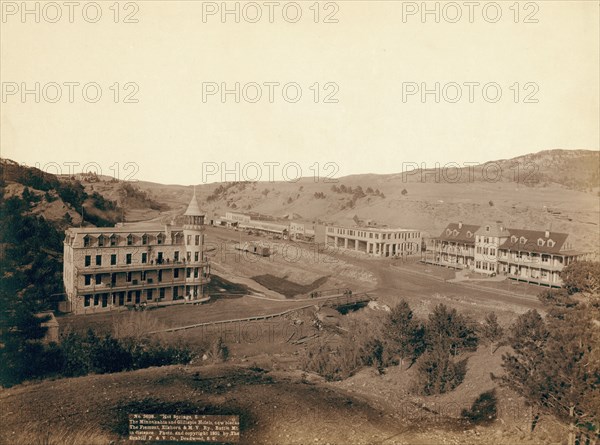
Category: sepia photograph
<point>310,222</point>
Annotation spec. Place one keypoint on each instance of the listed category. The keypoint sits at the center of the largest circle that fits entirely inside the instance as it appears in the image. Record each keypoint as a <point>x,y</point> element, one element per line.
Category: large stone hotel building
<point>137,263</point>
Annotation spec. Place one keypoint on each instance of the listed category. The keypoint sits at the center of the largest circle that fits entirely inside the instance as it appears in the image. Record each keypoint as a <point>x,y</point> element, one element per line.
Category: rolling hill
<point>555,189</point>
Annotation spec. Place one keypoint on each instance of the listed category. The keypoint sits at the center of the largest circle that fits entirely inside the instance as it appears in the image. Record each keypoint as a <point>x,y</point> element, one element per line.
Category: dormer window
<point>101,241</point>
<point>523,240</point>
<point>469,234</point>
<point>513,239</point>
<point>540,242</point>
<point>129,240</point>
<point>114,239</point>
<point>144,239</point>
<point>455,233</point>
<point>448,231</point>
<point>86,241</point>
<point>487,228</point>
<point>551,243</point>
<point>160,239</point>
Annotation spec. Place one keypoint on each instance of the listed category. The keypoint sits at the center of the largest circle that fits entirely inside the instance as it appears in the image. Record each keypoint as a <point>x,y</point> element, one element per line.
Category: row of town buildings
<point>533,256</point>
<point>385,242</point>
<point>297,231</point>
<point>151,263</point>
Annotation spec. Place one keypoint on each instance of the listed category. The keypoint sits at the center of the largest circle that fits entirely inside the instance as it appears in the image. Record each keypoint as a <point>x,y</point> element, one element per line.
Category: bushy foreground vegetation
<point>78,355</point>
<point>31,282</point>
<point>435,345</point>
<point>553,361</point>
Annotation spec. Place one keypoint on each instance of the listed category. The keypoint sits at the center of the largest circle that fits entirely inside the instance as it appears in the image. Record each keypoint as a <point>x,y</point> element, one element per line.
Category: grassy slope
<point>429,205</point>
<point>274,407</point>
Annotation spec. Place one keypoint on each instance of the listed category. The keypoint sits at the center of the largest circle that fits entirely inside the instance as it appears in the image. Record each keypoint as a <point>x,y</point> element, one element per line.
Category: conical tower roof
<point>193,208</point>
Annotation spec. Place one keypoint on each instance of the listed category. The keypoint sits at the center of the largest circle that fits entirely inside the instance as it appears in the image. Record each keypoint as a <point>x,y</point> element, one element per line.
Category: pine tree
<point>556,366</point>
<point>491,330</point>
<point>405,334</point>
<point>450,331</point>
<point>438,373</point>
<point>582,277</point>
<point>571,367</point>
<point>67,218</point>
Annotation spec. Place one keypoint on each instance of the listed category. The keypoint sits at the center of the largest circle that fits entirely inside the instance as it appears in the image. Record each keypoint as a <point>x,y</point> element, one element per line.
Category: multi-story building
<point>129,264</point>
<point>488,239</point>
<point>385,242</point>
<point>302,231</point>
<point>537,256</point>
<point>526,255</point>
<point>455,247</point>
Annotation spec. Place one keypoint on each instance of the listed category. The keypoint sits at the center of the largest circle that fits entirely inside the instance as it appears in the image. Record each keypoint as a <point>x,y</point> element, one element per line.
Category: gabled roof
<point>494,230</point>
<point>531,238</point>
<point>464,234</point>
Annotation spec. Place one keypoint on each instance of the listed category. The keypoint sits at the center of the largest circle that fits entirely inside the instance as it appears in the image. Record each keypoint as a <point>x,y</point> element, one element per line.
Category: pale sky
<point>370,56</point>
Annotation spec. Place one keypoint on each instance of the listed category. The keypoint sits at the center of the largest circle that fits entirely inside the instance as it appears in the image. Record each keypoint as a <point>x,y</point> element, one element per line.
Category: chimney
<point>547,233</point>
<point>460,224</point>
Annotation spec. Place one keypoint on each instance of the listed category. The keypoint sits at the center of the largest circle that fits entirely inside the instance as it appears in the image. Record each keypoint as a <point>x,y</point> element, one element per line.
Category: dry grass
<point>35,435</point>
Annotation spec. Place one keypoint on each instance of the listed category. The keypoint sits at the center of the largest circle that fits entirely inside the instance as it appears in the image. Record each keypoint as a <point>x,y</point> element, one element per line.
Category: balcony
<point>141,266</point>
<point>138,285</point>
<point>542,281</point>
<point>532,262</point>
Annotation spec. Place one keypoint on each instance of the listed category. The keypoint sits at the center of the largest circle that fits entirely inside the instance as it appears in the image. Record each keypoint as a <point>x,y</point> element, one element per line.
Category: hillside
<point>275,407</point>
<point>556,189</point>
<point>103,200</point>
<point>35,209</point>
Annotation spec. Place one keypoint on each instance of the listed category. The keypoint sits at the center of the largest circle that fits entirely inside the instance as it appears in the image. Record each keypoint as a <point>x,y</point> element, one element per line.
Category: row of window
<point>131,258</point>
<point>131,240</point>
<point>484,265</point>
<point>114,240</point>
<point>125,297</point>
<point>481,249</point>
<point>402,235</point>
<point>97,278</point>
<point>486,250</point>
